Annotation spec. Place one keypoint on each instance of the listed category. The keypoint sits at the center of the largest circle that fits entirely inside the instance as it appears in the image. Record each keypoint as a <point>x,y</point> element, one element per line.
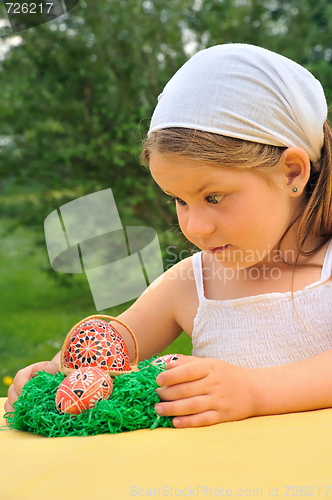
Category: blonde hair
<point>315,216</point>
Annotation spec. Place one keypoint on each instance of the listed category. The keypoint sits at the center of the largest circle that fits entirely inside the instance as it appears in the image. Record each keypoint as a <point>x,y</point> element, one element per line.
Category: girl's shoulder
<point>177,282</point>
<point>177,290</point>
<point>182,270</point>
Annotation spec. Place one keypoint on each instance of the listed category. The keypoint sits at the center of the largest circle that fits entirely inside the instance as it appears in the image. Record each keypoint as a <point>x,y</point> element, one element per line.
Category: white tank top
<point>264,330</point>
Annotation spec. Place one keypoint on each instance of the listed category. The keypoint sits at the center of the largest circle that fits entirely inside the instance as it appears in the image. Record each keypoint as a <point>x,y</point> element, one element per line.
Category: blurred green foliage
<point>76,98</point>
<point>78,92</point>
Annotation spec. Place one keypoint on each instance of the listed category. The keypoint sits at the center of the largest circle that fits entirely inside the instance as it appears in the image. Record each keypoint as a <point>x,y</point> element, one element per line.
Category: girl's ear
<point>295,165</point>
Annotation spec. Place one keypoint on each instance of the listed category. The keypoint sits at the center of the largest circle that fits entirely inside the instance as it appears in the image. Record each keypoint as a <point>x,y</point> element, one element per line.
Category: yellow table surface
<point>283,456</point>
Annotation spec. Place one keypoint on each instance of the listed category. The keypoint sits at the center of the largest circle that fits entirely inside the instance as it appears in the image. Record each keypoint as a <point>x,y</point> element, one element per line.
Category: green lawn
<point>35,312</point>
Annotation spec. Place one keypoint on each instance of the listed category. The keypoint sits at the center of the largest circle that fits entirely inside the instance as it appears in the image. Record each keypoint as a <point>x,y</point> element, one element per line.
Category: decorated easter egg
<point>82,390</point>
<point>96,343</point>
<point>167,358</point>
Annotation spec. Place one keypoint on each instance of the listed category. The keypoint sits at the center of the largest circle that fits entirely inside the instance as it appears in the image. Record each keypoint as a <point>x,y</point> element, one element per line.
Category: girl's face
<point>234,214</point>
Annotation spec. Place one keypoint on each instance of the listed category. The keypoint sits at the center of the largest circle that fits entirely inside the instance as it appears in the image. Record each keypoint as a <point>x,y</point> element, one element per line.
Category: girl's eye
<point>178,200</point>
<point>214,198</point>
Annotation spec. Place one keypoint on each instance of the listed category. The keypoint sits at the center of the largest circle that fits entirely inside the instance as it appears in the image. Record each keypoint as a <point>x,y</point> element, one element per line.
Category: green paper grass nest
<point>130,407</point>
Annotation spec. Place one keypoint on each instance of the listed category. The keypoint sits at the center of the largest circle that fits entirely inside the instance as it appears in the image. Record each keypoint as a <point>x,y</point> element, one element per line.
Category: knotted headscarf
<point>246,92</point>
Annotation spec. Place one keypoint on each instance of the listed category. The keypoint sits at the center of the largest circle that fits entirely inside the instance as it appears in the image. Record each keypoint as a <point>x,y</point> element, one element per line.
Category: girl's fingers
<point>26,374</point>
<point>12,395</point>
<point>8,406</point>
<point>23,376</point>
<point>192,412</point>
<point>182,361</point>
<point>51,367</point>
<point>188,406</point>
<point>181,391</point>
<point>203,419</point>
<point>187,371</point>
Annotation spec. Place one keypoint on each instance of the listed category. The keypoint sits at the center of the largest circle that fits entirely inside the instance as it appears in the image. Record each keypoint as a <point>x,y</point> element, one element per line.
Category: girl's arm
<point>207,391</point>
<point>153,319</point>
<point>300,386</point>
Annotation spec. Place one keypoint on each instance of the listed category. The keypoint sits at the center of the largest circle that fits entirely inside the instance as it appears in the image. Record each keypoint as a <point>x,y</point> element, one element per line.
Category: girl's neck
<point>262,278</point>
<point>290,252</point>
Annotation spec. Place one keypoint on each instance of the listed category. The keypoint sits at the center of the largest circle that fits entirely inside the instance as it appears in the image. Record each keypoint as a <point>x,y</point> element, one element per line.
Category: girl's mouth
<point>218,249</point>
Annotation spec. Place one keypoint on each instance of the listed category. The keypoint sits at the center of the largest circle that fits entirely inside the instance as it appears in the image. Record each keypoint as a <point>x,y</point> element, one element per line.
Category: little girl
<point>239,140</point>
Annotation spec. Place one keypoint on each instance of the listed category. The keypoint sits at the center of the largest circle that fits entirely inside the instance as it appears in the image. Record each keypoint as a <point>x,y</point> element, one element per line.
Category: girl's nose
<point>199,223</point>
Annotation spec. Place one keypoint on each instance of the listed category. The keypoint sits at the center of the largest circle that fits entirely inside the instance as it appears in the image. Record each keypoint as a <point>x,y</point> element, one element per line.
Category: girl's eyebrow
<point>199,190</point>
<point>202,188</point>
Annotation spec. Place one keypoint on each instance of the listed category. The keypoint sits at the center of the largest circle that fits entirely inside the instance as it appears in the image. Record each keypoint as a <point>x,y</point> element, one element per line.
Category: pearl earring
<point>295,190</point>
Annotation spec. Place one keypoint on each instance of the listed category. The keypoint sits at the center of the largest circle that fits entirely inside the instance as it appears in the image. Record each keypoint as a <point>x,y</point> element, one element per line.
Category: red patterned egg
<point>167,358</point>
<point>82,390</point>
<point>96,343</point>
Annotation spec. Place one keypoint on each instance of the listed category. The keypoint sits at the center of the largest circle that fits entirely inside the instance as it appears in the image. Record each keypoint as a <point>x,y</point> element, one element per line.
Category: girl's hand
<point>204,391</point>
<point>23,376</point>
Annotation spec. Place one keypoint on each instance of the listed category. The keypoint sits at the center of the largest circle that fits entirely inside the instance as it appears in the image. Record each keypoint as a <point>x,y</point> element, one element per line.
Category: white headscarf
<point>247,92</point>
